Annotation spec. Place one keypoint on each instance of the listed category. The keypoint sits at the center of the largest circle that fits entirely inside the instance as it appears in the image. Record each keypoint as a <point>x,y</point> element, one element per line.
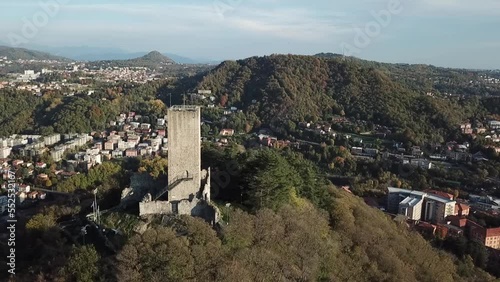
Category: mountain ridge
<point>27,54</point>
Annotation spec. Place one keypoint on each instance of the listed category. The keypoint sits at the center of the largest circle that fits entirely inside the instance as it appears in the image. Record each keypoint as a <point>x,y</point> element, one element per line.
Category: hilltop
<point>25,54</point>
<point>152,60</point>
<point>412,99</point>
<point>152,57</point>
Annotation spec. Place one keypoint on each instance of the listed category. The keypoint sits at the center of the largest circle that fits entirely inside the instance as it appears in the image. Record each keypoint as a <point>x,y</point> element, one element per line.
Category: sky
<point>450,33</point>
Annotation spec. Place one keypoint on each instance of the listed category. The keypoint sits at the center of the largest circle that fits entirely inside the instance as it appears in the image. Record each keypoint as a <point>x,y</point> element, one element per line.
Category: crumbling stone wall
<point>155,207</point>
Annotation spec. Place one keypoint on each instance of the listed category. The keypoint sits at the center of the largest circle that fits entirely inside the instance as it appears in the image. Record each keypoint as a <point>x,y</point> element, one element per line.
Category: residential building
<point>52,139</point>
<point>24,188</point>
<point>117,153</point>
<point>493,124</point>
<point>131,153</point>
<point>419,205</point>
<point>462,209</point>
<point>356,150</point>
<point>123,145</point>
<point>40,165</point>
<point>161,132</point>
<point>42,177</point>
<point>5,152</point>
<point>227,132</point>
<point>422,163</point>
<point>134,138</point>
<point>466,128</point>
<point>458,221</point>
<point>370,151</point>
<point>490,237</point>
<point>416,151</point>
<point>109,145</point>
<point>58,153</point>
<point>161,122</point>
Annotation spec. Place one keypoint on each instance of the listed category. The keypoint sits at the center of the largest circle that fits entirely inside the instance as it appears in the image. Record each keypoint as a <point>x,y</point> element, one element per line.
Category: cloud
<point>464,7</point>
<point>292,23</point>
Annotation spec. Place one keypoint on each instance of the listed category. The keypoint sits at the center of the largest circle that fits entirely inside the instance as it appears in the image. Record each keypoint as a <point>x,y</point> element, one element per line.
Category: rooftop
<point>411,201</point>
<point>414,193</point>
<point>184,108</point>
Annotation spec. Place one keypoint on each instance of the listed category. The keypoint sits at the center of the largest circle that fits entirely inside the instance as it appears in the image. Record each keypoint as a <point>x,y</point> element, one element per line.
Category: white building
<point>422,163</point>
<point>411,207</point>
<point>117,154</point>
<point>161,122</point>
<point>52,139</point>
<point>418,205</point>
<point>493,124</point>
<point>58,153</point>
<point>5,152</point>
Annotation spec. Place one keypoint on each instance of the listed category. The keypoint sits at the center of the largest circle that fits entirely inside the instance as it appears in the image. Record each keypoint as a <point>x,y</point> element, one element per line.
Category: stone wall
<point>153,208</point>
<point>184,151</point>
<point>205,191</point>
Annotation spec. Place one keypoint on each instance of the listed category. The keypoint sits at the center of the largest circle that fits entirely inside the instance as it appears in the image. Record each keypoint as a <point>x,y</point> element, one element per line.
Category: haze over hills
<point>151,60</point>
<point>90,53</point>
<point>25,54</point>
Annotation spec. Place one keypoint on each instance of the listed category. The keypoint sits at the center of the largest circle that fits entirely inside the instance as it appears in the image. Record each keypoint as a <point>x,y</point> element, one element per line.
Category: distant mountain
<point>153,57</point>
<point>89,53</point>
<point>25,54</point>
<point>152,60</point>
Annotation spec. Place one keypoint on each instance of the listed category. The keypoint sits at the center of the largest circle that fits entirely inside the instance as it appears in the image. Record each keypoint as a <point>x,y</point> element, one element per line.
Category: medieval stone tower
<point>188,187</point>
<point>184,153</point>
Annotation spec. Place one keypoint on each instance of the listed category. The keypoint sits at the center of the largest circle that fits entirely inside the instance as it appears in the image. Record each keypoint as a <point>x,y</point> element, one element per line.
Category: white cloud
<point>463,7</point>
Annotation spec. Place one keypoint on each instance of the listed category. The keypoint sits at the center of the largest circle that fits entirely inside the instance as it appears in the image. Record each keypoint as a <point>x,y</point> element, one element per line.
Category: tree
<point>272,181</point>
<point>157,255</point>
<point>41,222</point>
<point>82,265</point>
<point>155,167</point>
<point>223,100</point>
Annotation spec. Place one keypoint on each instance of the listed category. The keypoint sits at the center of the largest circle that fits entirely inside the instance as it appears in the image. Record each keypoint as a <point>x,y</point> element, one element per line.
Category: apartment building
<point>490,237</point>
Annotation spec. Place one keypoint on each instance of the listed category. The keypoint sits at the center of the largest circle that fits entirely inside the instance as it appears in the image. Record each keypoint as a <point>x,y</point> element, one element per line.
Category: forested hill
<point>25,54</point>
<point>152,60</point>
<point>283,88</point>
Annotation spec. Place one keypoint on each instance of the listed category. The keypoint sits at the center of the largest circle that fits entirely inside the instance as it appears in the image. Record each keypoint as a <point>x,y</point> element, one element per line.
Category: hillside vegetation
<point>152,60</point>
<point>25,54</point>
<point>284,237</point>
<point>283,88</point>
<point>22,112</point>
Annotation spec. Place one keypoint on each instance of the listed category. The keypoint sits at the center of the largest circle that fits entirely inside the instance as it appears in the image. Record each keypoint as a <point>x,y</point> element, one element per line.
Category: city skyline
<point>443,33</point>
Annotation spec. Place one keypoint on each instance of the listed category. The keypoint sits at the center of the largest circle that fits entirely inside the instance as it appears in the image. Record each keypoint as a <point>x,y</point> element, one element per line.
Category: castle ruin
<point>188,188</point>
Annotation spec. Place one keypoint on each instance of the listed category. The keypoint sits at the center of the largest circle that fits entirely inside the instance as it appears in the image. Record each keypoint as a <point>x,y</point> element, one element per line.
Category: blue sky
<point>455,33</point>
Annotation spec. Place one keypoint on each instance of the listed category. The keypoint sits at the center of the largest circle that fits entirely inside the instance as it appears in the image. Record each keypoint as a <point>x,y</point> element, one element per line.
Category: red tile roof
<point>493,232</point>
<point>440,194</point>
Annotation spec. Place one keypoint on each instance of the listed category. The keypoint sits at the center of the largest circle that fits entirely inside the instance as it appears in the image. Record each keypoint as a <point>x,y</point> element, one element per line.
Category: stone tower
<point>184,153</point>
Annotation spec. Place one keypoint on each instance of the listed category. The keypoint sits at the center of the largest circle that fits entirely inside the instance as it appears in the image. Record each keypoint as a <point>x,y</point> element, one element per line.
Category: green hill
<point>25,54</point>
<point>153,57</point>
<point>152,60</point>
<point>283,88</point>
